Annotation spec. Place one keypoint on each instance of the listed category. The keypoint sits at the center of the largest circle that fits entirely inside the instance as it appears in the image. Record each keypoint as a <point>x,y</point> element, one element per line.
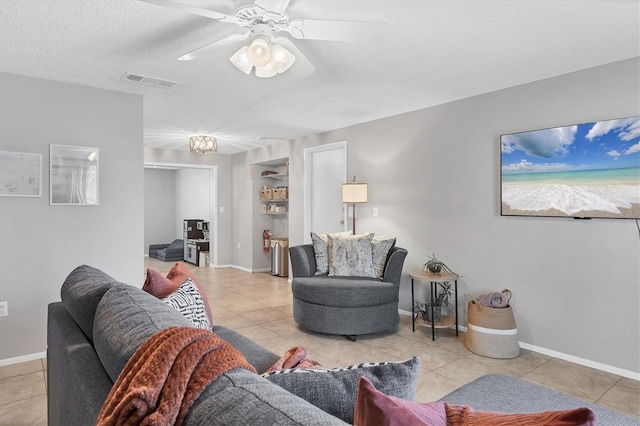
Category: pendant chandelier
<point>203,144</point>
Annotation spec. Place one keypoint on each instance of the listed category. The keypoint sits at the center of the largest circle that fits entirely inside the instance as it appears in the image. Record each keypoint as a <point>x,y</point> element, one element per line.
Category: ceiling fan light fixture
<point>203,144</point>
<point>281,58</point>
<point>259,53</point>
<point>241,60</point>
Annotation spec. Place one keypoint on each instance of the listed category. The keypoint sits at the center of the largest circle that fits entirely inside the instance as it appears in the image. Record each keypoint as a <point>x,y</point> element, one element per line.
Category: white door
<point>325,172</point>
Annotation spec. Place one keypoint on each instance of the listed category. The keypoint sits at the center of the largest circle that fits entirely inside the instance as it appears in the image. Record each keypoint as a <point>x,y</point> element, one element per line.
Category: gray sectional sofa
<point>167,252</point>
<point>98,326</point>
<point>348,306</point>
<point>100,322</point>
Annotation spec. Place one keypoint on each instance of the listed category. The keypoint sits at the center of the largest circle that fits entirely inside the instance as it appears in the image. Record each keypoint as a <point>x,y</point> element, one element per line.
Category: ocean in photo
<point>612,192</point>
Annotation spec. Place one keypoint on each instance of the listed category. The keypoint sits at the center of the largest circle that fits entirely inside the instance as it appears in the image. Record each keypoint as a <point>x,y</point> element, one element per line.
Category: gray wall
<point>434,175</point>
<point>159,207</point>
<point>40,244</point>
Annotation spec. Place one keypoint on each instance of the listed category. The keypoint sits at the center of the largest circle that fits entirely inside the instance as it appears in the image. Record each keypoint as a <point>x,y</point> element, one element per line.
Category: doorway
<point>325,171</point>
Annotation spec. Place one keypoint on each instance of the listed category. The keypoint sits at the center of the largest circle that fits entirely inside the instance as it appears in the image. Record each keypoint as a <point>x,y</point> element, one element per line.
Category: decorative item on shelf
<point>203,144</point>
<point>441,301</point>
<point>352,193</point>
<point>269,173</point>
<point>266,193</point>
<point>435,266</point>
<point>281,193</point>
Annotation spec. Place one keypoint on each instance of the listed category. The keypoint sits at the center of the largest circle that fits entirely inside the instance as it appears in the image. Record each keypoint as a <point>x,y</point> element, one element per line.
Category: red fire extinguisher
<point>266,240</point>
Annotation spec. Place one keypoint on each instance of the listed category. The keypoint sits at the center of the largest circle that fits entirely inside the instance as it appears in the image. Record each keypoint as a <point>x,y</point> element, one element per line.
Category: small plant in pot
<point>435,266</point>
<point>442,300</point>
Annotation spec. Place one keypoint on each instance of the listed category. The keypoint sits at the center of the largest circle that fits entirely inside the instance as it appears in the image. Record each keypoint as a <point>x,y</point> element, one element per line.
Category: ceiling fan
<point>269,52</point>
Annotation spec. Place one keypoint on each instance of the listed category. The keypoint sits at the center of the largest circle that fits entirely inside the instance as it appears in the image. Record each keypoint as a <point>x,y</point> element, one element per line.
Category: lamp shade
<point>354,192</point>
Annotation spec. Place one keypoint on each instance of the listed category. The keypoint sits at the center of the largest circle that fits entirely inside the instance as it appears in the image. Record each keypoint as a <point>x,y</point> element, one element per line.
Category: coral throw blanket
<point>166,375</point>
<point>296,357</point>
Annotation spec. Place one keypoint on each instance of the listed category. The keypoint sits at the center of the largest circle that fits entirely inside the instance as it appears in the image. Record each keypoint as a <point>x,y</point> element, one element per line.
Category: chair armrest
<point>303,260</point>
<point>393,268</point>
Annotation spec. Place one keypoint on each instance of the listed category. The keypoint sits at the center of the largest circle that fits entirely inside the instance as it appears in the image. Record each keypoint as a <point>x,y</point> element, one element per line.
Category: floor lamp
<point>353,193</point>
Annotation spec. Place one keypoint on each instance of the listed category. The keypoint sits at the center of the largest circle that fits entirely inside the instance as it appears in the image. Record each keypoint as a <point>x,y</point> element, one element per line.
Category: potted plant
<point>441,300</point>
<point>435,266</point>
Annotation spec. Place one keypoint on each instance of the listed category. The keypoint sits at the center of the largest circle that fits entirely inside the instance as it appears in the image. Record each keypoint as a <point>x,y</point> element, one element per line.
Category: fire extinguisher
<point>266,240</point>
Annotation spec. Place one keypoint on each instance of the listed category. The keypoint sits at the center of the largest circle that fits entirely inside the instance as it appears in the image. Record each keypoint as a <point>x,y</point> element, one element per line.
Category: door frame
<point>213,199</point>
<point>308,174</point>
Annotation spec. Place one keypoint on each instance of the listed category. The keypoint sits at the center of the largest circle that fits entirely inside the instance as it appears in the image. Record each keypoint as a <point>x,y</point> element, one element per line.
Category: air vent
<point>149,81</point>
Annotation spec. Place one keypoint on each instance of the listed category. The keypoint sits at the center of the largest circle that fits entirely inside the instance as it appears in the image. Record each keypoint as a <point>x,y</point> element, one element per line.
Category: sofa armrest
<point>303,260</point>
<point>393,268</point>
<point>157,246</point>
<point>173,250</point>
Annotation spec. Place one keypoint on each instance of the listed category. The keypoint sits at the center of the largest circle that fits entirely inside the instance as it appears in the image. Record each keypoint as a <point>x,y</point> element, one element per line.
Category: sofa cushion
<point>158,285</point>
<point>321,250</point>
<point>176,244</point>
<point>243,398</point>
<point>341,292</point>
<point>81,292</point>
<point>350,255</point>
<point>187,300</point>
<point>126,317</point>
<point>334,390</point>
<point>179,273</point>
<point>375,407</point>
<point>261,358</point>
<point>380,247</point>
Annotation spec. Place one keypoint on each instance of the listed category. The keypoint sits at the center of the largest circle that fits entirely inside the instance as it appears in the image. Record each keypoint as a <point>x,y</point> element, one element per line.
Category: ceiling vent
<point>149,81</point>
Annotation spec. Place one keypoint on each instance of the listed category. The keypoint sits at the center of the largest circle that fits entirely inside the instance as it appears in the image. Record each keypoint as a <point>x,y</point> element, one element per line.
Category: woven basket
<point>492,332</point>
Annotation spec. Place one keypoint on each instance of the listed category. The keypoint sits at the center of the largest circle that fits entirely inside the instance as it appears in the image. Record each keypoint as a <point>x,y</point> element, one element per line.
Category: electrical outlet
<point>4,309</point>
<point>238,245</point>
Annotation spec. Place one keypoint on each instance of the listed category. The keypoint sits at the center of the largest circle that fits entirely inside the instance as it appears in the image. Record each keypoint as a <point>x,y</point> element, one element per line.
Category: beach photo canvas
<point>589,170</point>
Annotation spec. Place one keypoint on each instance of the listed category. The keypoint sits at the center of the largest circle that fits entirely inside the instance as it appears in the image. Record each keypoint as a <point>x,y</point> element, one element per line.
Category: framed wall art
<point>74,175</point>
<point>588,170</point>
<point>20,174</point>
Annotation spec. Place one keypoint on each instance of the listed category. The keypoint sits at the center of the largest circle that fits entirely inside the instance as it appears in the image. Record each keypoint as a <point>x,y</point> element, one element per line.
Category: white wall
<point>193,197</point>
<point>434,176</point>
<point>159,211</point>
<point>40,244</point>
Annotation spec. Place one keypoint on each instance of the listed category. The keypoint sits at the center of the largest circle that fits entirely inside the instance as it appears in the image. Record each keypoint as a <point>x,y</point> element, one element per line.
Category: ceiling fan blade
<point>277,6</point>
<point>358,31</point>
<point>222,17</point>
<point>233,38</point>
<point>302,67</point>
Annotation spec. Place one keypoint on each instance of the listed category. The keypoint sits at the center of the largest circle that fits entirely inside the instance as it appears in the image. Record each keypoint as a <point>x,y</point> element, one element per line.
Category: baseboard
<point>565,357</point>
<point>581,361</point>
<point>23,358</point>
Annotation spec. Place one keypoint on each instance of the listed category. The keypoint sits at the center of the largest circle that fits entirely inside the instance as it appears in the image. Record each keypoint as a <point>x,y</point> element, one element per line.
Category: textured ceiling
<point>438,51</point>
